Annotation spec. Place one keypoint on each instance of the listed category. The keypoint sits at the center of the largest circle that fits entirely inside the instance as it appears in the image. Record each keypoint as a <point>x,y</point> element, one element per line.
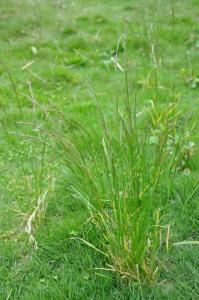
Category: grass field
<point>57,63</point>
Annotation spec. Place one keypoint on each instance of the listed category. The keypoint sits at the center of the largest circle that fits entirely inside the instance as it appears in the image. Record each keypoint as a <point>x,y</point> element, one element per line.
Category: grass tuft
<point>124,184</point>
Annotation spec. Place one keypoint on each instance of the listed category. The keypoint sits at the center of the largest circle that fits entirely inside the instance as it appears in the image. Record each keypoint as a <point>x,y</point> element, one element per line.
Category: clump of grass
<point>120,180</point>
<point>124,179</point>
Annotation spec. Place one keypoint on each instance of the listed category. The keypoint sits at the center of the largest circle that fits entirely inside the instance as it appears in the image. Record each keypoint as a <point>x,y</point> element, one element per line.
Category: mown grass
<point>50,52</point>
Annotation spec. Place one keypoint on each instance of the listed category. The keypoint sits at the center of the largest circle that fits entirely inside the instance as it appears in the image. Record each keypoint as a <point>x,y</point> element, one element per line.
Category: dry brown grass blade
<point>29,221</point>
<point>37,212</point>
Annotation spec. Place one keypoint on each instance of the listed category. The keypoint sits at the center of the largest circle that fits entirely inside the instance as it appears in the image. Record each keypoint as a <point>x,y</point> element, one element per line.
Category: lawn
<point>66,65</point>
